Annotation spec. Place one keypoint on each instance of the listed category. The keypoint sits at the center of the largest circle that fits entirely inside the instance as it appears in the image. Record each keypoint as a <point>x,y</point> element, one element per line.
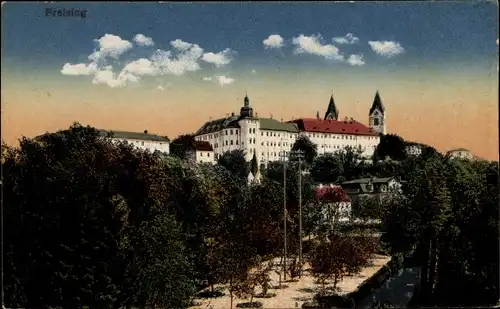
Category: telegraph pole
<point>300,153</point>
<point>284,217</point>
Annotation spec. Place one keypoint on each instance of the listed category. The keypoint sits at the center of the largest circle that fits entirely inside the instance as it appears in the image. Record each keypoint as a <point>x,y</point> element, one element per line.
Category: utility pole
<point>300,213</point>
<point>284,217</point>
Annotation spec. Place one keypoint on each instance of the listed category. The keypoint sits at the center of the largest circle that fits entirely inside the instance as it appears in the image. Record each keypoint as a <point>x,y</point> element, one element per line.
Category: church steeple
<point>246,102</point>
<point>246,110</point>
<point>378,116</point>
<point>332,113</point>
<point>377,104</point>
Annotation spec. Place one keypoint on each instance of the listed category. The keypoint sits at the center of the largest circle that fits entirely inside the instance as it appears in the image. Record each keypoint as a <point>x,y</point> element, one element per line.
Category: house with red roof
<point>335,202</point>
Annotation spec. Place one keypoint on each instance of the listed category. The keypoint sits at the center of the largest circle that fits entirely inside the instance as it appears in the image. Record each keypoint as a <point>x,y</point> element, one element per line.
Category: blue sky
<point>428,31</point>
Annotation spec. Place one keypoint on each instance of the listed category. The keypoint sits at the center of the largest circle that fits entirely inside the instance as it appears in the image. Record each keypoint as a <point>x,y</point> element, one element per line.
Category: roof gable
<point>275,125</point>
<point>134,135</point>
<point>333,126</point>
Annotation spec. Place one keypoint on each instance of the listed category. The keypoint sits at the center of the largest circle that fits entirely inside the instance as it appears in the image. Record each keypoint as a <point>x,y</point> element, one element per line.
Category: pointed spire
<point>317,114</point>
<point>246,101</point>
<point>332,113</point>
<point>377,104</point>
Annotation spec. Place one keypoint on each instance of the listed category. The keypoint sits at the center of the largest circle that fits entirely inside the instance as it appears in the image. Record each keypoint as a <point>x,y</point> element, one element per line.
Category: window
<point>201,154</point>
<point>279,144</point>
<point>142,143</point>
<point>226,132</point>
<point>231,142</point>
<point>208,154</point>
<point>231,132</point>
<point>267,133</point>
<point>226,141</point>
<point>274,133</point>
<point>375,121</point>
<point>262,143</point>
<point>250,130</point>
<point>236,142</point>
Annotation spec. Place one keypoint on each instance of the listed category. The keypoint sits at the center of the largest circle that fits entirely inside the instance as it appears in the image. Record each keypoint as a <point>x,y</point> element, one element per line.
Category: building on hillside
<point>143,141</point>
<point>372,187</point>
<point>335,202</point>
<point>460,153</point>
<point>268,137</point>
<point>201,152</point>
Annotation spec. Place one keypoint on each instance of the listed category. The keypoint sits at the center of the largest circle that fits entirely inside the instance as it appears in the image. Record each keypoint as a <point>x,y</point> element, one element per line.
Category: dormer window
<point>369,187</point>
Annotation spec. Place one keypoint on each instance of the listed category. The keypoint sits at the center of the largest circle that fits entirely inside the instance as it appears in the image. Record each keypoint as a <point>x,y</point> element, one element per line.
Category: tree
<point>102,206</point>
<point>181,145</point>
<point>254,167</point>
<point>327,168</point>
<point>392,146</point>
<point>309,148</point>
<point>234,161</point>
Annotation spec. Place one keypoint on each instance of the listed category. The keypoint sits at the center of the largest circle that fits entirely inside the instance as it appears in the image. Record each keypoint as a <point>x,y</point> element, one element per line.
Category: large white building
<point>268,137</point>
<point>143,141</point>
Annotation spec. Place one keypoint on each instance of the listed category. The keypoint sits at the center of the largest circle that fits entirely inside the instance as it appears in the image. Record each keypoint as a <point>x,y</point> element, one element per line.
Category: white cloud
<point>386,48</point>
<point>79,69</point>
<point>497,41</point>
<point>141,67</point>
<point>347,39</point>
<point>180,45</point>
<point>224,80</point>
<point>109,78</point>
<point>273,41</point>
<point>161,88</point>
<point>356,59</point>
<point>221,80</point>
<point>219,59</point>
<point>312,45</point>
<point>254,71</point>
<point>109,46</point>
<point>184,57</point>
<point>142,40</point>
<point>185,61</point>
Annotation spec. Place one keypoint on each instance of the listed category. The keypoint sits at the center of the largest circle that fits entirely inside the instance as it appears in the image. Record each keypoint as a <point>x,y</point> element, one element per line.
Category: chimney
<point>281,119</point>
<point>293,118</point>
<point>256,115</point>
<point>345,119</point>
<point>232,114</point>
<point>352,120</point>
<point>145,131</point>
<point>271,116</point>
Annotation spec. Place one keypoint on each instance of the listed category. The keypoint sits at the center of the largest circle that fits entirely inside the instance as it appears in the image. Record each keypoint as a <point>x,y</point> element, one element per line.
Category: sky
<point>170,67</point>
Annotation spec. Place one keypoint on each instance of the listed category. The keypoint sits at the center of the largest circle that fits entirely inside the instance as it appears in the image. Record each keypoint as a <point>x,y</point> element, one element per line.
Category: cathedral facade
<point>271,140</point>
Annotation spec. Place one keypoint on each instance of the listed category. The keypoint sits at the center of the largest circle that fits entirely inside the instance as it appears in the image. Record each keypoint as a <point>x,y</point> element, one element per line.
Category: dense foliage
<point>90,223</point>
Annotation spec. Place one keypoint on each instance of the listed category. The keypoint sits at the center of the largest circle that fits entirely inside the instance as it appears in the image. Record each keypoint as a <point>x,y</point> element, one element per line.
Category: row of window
<point>285,135</point>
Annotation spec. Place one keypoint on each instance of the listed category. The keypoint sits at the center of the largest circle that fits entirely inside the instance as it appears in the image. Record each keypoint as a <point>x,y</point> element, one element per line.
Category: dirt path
<point>297,292</point>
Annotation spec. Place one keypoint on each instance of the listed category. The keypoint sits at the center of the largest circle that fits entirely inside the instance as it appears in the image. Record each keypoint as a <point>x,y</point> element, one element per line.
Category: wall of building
<point>268,144</point>
<point>147,144</point>
<point>205,156</point>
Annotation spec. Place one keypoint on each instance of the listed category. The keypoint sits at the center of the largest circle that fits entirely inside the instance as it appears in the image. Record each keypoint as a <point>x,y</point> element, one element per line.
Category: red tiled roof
<point>203,146</point>
<point>333,126</point>
<point>334,194</point>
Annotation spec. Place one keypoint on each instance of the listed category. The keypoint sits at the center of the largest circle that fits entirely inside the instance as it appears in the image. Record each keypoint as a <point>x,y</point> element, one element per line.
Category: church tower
<point>332,113</point>
<point>378,116</point>
<point>246,110</point>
